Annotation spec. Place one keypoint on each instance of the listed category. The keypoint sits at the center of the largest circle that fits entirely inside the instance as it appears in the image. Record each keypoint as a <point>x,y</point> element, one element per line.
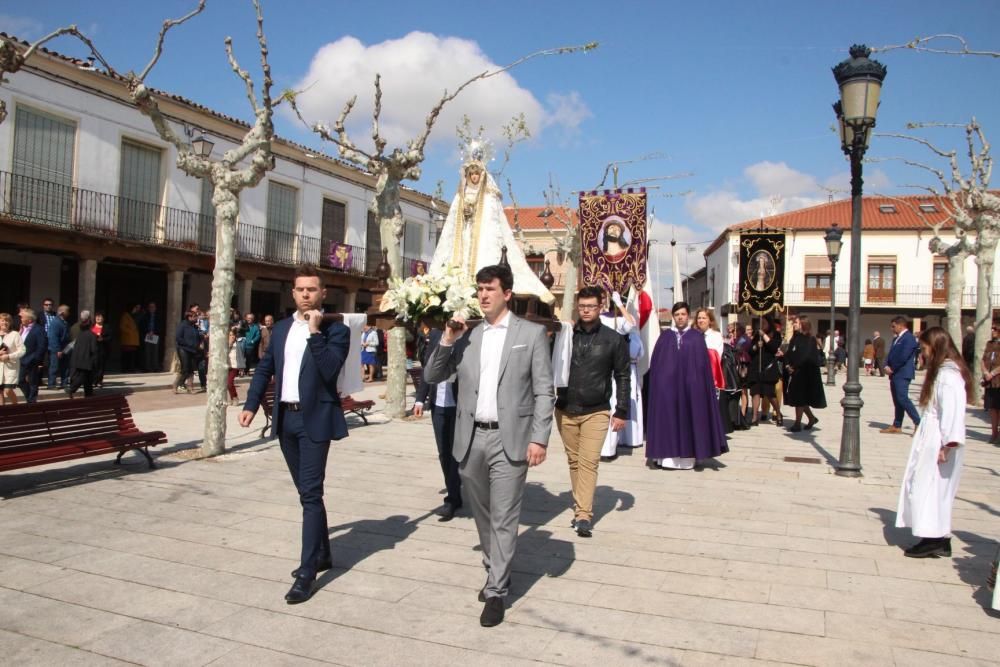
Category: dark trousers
<point>900,388</point>
<point>187,362</point>
<point>443,420</point>
<point>55,370</point>
<point>30,379</point>
<point>150,357</point>
<point>201,365</point>
<point>250,354</point>
<point>231,382</point>
<point>82,377</point>
<point>306,460</point>
<point>128,359</point>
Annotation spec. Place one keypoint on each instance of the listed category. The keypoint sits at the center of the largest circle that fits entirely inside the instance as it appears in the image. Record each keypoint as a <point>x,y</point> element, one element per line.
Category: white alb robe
<point>631,435</point>
<point>929,488</point>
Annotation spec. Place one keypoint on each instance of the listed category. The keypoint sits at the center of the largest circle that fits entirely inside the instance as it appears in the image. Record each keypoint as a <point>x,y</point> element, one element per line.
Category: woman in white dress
<point>623,322</point>
<point>935,464</point>
<point>476,230</point>
<point>11,351</point>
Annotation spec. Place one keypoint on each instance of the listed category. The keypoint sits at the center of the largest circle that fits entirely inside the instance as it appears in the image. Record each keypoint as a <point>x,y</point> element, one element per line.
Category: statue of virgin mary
<point>476,229</point>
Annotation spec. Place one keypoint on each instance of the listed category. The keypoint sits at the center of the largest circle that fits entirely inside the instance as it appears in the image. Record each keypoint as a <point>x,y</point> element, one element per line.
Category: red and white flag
<point>643,308</point>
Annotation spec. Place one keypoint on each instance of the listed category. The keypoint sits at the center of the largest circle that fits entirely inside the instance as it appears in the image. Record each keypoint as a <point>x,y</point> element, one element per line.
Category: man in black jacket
<point>187,340</point>
<point>582,407</point>
<point>441,400</point>
<point>83,361</point>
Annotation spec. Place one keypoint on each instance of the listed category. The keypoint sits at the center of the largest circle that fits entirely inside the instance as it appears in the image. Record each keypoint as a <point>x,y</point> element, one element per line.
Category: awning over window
<point>881,259</point>
<point>817,265</point>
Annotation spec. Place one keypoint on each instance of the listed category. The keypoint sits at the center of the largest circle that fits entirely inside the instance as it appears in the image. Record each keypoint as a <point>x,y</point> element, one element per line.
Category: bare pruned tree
<point>241,167</point>
<point>927,45</point>
<point>390,170</point>
<point>975,211</point>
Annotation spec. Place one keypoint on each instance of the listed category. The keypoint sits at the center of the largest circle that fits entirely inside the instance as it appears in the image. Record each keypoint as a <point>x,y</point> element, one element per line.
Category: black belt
<point>292,407</point>
<point>488,426</point>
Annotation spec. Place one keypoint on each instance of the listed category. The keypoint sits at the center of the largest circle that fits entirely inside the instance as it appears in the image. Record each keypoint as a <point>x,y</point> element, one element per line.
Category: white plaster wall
<point>102,123</point>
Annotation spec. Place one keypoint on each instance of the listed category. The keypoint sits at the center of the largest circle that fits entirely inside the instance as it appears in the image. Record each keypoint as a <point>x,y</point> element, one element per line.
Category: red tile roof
<point>530,217</point>
<point>905,214</point>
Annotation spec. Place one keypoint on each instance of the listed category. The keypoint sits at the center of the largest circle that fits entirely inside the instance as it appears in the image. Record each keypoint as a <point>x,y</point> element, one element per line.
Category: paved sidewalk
<point>758,561</point>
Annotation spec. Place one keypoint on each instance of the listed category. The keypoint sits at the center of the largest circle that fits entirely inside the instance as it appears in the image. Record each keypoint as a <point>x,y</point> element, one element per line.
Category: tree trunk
<point>227,208</point>
<point>986,247</point>
<point>956,288</point>
<point>390,220</point>
<point>570,272</point>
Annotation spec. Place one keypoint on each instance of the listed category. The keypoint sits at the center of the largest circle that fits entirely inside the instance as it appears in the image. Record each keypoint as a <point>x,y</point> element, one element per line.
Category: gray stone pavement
<point>757,561</point>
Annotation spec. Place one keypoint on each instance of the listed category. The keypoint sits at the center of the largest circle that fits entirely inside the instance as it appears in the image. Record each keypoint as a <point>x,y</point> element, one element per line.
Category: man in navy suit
<point>304,358</point>
<point>35,348</point>
<point>901,366</point>
<point>441,399</point>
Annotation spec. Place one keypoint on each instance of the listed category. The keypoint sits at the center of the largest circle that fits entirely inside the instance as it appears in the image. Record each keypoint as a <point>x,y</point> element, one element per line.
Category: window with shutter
<point>282,216</point>
<point>413,240</point>
<point>333,227</point>
<point>373,244</point>
<point>42,183</point>
<point>206,218</point>
<point>139,191</point>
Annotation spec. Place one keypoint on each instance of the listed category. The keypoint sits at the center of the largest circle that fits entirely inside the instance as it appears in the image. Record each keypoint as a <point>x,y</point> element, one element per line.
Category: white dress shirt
<point>494,336</point>
<point>295,347</point>
<point>444,397</point>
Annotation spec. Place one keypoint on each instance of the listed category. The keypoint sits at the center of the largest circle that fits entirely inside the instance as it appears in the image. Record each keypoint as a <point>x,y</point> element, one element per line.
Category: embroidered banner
<point>762,273</point>
<point>340,256</point>
<point>613,239</point>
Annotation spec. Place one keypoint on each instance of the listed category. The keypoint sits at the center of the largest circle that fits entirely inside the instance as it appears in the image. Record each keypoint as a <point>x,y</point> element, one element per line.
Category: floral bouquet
<point>437,295</point>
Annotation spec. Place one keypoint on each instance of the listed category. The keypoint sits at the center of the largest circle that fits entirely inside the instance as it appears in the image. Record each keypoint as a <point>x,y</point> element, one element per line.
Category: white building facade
<point>899,273</point>
<point>94,212</point>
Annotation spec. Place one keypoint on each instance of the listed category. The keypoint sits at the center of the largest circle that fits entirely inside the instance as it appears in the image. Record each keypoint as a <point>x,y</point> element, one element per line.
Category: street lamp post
<point>860,82</point>
<point>833,243</point>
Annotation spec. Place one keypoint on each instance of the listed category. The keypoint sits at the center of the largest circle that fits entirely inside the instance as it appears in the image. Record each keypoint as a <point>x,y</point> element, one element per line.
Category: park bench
<point>52,431</point>
<point>347,404</point>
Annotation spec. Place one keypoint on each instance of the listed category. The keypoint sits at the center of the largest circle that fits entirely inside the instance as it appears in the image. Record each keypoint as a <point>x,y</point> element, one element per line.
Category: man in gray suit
<point>503,420</point>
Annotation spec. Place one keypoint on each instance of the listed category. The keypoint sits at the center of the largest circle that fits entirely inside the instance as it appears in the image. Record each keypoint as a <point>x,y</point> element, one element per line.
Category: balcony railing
<point>99,214</point>
<point>903,295</point>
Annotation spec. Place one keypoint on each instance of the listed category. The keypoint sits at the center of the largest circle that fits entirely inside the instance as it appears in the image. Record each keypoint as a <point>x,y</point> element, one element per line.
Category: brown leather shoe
<point>891,429</point>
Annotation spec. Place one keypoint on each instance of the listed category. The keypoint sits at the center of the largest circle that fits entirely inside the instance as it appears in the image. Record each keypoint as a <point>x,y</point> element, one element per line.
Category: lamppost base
<point>849,472</point>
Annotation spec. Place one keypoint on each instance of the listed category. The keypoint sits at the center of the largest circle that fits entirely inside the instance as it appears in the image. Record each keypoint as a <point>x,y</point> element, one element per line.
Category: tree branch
<point>377,138</point>
<point>418,144</point>
<point>242,73</point>
<point>918,44</point>
<point>167,25</point>
<point>348,151</point>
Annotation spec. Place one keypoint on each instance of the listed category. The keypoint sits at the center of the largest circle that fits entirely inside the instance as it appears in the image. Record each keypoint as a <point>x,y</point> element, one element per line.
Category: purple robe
<point>684,419</point>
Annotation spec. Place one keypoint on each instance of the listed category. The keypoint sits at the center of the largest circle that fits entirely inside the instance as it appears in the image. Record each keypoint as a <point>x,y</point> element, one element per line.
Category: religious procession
<point>436,414</point>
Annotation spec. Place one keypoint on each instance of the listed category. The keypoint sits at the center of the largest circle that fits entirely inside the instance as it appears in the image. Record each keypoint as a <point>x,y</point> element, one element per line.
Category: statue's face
<point>475,176</point>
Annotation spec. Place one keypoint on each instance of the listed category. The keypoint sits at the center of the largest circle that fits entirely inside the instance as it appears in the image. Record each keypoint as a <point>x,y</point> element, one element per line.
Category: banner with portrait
<point>613,239</point>
<point>762,273</point>
<point>341,256</point>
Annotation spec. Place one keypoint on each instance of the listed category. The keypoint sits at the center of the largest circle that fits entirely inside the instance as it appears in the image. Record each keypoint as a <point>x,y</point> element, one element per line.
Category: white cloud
<point>777,188</point>
<point>416,70</point>
<point>777,178</point>
<point>567,110</point>
<point>21,27</point>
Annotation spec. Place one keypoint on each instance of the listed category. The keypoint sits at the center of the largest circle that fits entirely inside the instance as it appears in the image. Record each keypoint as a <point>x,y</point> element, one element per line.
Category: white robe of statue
<point>475,231</point>
<point>929,488</point>
<point>631,434</point>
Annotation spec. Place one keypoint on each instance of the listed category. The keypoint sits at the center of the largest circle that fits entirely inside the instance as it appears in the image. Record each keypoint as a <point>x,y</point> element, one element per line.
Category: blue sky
<point>738,93</point>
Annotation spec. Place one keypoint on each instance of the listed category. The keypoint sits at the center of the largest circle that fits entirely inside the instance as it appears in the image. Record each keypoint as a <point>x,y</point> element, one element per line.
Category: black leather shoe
<point>300,591</point>
<point>492,613</point>
<point>447,513</point>
<point>930,547</point>
<point>322,565</point>
<point>583,528</point>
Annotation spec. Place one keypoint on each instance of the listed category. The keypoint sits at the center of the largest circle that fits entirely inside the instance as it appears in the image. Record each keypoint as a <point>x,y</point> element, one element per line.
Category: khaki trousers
<point>583,436</point>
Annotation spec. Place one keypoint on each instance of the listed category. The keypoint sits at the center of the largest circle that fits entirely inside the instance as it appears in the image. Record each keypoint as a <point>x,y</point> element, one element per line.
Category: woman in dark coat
<point>764,371</point>
<point>805,388</point>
